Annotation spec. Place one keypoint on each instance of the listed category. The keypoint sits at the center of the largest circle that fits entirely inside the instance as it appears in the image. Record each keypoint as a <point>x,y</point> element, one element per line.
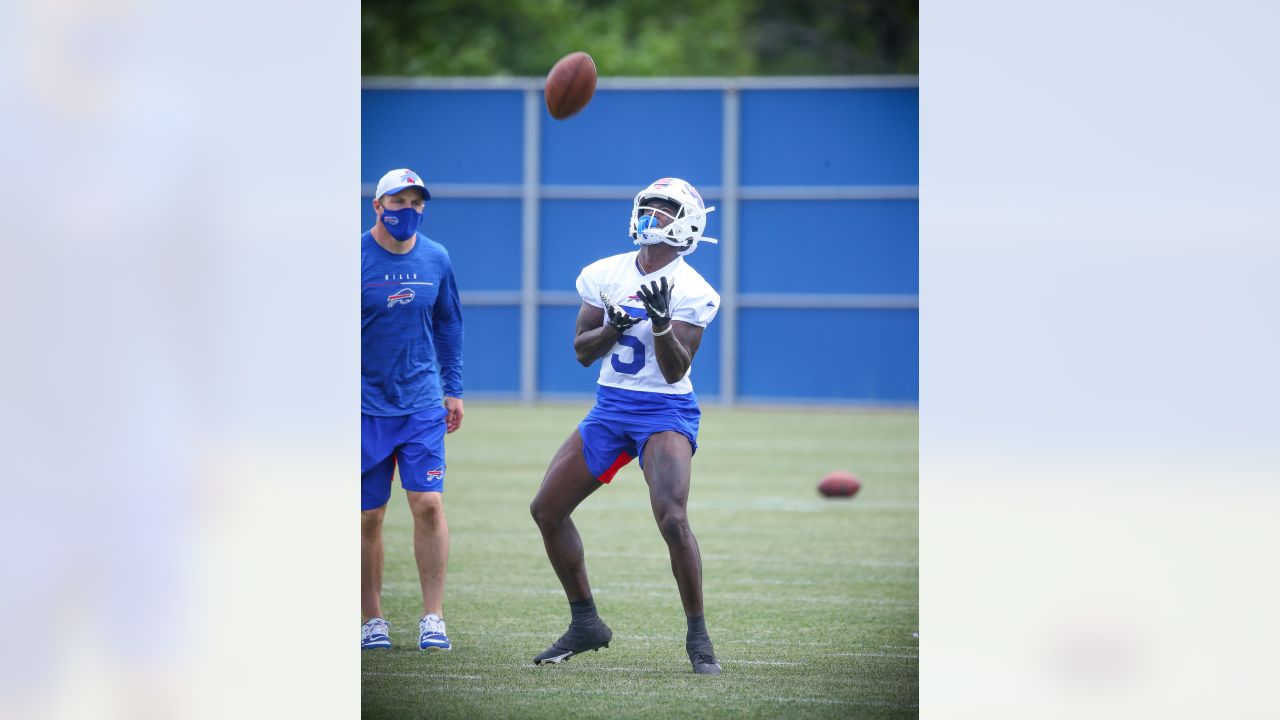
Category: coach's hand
<point>657,302</point>
<point>453,420</point>
<point>617,318</point>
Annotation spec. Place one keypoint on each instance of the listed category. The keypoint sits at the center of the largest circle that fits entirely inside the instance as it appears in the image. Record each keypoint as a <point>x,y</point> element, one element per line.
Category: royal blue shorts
<point>415,442</point>
<point>618,427</point>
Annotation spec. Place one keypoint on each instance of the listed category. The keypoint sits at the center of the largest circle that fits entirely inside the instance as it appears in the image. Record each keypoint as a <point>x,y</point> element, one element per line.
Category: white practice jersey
<point>631,364</point>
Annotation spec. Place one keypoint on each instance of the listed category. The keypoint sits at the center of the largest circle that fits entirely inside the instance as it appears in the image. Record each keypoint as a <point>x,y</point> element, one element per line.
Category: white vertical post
<point>529,248</point>
<point>728,210</point>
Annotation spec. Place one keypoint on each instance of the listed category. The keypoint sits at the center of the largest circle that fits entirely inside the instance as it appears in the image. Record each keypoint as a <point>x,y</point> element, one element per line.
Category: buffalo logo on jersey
<point>635,312</point>
<point>401,297</point>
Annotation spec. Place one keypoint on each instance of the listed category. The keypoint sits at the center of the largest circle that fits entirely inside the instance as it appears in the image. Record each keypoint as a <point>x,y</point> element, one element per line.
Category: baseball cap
<point>397,180</point>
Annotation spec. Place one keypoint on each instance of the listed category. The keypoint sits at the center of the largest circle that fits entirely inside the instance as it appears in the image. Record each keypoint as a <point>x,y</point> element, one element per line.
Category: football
<point>839,484</point>
<point>570,85</point>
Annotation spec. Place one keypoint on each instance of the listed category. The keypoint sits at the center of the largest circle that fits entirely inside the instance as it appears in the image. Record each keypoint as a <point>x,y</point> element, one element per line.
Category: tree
<point>639,38</point>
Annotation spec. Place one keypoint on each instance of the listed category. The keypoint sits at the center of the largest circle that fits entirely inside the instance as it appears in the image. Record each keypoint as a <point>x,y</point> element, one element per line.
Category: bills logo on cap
<point>399,179</point>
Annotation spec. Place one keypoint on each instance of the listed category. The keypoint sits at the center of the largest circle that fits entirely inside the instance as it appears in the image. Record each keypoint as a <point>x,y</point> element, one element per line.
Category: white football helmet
<point>686,227</point>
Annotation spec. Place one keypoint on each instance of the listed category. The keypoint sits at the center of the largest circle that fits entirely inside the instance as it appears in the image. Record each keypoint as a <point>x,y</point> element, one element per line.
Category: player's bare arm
<point>594,338</point>
<point>675,350</point>
<point>674,342</point>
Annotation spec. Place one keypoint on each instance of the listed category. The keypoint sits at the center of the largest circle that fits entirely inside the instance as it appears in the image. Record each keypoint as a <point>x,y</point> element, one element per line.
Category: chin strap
<point>694,245</point>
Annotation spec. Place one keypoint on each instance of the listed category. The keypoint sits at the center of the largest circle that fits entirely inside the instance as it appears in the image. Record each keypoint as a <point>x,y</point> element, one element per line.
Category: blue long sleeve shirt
<point>410,328</point>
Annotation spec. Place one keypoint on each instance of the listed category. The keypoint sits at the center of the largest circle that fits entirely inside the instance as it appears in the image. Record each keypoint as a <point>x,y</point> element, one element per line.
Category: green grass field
<point>812,603</point>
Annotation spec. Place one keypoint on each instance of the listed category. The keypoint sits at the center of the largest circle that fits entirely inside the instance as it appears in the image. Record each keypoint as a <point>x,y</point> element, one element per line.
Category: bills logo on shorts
<point>437,474</point>
<point>401,297</point>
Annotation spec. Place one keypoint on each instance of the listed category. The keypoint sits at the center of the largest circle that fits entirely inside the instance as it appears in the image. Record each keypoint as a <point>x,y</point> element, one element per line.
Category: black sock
<point>584,611</point>
<point>697,629</point>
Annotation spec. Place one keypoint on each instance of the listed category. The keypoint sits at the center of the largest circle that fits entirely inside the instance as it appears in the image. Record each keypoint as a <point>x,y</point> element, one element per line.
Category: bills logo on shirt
<point>400,297</point>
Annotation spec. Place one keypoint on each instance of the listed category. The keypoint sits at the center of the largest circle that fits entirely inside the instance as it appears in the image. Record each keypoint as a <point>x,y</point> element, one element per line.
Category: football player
<point>643,314</point>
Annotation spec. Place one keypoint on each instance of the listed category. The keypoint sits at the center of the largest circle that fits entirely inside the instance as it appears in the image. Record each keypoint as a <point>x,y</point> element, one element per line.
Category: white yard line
<point>763,598</point>
<point>424,674</point>
<point>595,668</point>
<point>841,562</point>
<point>834,701</point>
<point>662,590</point>
<point>873,654</point>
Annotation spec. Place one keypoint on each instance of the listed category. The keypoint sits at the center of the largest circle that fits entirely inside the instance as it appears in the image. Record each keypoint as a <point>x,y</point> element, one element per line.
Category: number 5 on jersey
<point>637,356</point>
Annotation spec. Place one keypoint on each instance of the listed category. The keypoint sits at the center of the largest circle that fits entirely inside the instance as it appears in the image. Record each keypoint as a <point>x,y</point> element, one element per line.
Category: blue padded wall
<point>829,354</point>
<point>491,349</point>
<point>830,246</point>
<point>456,136</point>
<point>633,138</point>
<point>831,137</point>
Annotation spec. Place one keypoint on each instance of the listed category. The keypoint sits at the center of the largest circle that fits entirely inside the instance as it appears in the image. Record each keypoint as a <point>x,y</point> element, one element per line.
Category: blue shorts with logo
<point>414,442</point>
<point>618,427</point>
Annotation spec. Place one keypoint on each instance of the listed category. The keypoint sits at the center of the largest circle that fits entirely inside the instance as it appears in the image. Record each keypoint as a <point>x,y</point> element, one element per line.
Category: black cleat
<point>576,640</point>
<point>703,657</point>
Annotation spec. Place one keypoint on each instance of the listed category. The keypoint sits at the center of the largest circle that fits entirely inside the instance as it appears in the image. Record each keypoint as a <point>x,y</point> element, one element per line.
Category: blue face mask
<point>402,223</point>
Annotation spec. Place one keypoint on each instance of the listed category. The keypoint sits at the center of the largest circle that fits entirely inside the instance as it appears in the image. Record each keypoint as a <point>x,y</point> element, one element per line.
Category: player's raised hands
<point>617,317</point>
<point>657,302</point>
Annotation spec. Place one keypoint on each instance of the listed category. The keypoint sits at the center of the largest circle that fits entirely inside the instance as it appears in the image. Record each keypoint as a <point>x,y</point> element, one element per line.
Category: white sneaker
<point>375,634</point>
<point>431,634</point>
